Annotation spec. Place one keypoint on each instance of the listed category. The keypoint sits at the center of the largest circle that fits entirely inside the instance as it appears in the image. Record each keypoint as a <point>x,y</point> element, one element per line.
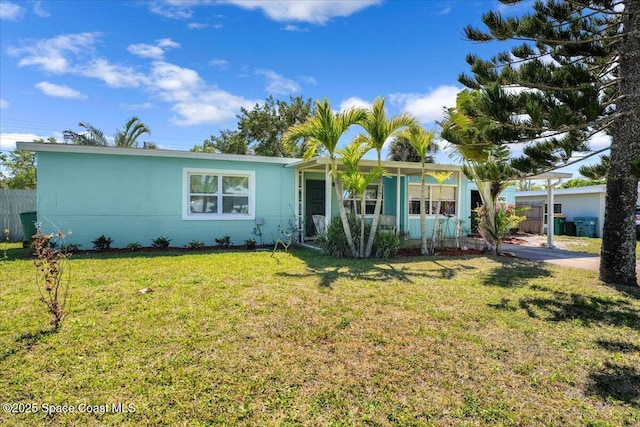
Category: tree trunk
<point>487,226</point>
<point>343,214</point>
<point>423,212</point>
<point>376,215</point>
<point>618,255</point>
<point>363,205</point>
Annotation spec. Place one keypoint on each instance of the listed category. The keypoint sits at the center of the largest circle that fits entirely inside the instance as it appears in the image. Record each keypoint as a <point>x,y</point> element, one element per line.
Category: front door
<point>314,204</point>
<point>476,202</point>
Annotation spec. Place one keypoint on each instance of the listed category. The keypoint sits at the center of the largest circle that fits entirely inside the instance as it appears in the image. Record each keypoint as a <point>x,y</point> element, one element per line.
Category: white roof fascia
<point>565,191</point>
<point>85,149</point>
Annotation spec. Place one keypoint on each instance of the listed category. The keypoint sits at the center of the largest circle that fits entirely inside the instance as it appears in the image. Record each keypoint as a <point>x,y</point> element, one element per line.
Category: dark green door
<point>314,204</point>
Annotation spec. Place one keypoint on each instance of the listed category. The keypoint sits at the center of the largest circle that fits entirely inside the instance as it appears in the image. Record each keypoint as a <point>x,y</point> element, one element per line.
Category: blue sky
<point>186,67</point>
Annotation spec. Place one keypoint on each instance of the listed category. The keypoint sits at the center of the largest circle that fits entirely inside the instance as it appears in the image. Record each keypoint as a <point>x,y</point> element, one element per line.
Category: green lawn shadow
<point>329,269</point>
<point>515,272</point>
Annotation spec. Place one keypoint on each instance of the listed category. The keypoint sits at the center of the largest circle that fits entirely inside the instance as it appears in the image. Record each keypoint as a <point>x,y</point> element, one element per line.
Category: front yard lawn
<point>240,338</point>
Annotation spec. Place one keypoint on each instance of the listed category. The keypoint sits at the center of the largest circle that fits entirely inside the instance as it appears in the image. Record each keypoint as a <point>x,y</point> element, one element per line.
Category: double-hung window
<point>446,195</point>
<point>217,194</point>
<point>352,202</point>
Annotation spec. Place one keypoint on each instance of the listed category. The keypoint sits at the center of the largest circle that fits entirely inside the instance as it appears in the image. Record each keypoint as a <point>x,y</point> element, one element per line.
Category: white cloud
<point>194,101</point>
<point>167,43</point>
<point>3,104</point>
<point>169,10</point>
<point>53,55</point>
<point>308,80</point>
<point>112,74</point>
<point>200,26</point>
<point>294,28</point>
<point>219,63</point>
<point>427,107</point>
<point>173,80</point>
<point>40,11</point>
<point>191,98</point>
<point>8,140</point>
<point>146,50</point>
<point>314,12</point>
<point>277,84</point>
<point>60,91</point>
<point>10,11</point>
<point>599,141</point>
<point>354,102</point>
<point>214,106</point>
<point>153,51</point>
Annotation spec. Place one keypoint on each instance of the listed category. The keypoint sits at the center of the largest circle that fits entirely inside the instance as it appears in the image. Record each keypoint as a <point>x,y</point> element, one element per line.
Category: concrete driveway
<point>554,256</point>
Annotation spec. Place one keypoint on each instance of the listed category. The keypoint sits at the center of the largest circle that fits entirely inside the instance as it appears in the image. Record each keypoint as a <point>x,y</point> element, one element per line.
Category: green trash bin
<point>586,226</point>
<point>28,220</point>
<point>558,225</point>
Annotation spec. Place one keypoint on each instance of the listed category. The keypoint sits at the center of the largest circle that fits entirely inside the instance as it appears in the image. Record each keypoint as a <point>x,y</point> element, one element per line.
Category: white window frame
<point>358,200</point>
<point>430,201</point>
<point>187,215</point>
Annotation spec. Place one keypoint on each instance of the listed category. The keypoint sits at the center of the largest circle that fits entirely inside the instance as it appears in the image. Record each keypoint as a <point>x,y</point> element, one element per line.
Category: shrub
<point>5,244</point>
<point>52,277</point>
<point>102,243</point>
<point>334,242</point>
<point>194,244</point>
<point>223,242</point>
<point>386,245</point>
<point>71,248</point>
<point>134,246</point>
<point>250,243</point>
<point>161,242</point>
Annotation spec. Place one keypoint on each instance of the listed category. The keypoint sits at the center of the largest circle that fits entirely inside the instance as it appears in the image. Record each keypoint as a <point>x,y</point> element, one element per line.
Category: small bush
<point>250,243</point>
<point>5,244</point>
<point>194,244</point>
<point>161,242</point>
<point>102,243</point>
<point>71,248</point>
<point>52,276</point>
<point>334,242</point>
<point>386,245</point>
<point>223,242</point>
<point>134,246</point>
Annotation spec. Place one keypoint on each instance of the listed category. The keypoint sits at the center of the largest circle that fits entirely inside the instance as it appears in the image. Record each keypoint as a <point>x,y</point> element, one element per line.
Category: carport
<point>553,179</point>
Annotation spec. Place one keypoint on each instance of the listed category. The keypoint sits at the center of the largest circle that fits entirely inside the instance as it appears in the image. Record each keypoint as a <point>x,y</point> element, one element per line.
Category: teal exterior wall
<point>139,198</point>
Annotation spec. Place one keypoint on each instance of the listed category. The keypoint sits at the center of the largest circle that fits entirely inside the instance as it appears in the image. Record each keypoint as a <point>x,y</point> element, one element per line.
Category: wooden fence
<point>535,217</point>
<point>12,204</point>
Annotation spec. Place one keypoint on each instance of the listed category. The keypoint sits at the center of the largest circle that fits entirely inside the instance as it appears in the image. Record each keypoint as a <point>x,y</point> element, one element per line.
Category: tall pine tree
<point>576,73</point>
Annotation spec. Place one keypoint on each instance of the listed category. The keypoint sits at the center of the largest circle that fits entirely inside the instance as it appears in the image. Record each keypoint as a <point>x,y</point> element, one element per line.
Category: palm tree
<point>440,178</point>
<point>128,137</point>
<point>378,130</point>
<point>323,131</point>
<point>357,182</point>
<point>420,141</point>
<point>92,136</point>
<point>401,150</point>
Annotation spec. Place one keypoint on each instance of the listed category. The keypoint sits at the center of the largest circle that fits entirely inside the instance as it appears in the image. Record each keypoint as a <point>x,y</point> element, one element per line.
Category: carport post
<point>550,243</point>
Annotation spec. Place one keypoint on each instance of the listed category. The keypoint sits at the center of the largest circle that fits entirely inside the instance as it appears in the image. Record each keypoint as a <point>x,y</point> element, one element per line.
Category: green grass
<point>240,338</point>
<point>585,244</point>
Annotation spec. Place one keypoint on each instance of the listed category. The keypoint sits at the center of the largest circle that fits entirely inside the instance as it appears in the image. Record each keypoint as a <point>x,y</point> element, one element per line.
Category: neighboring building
<point>136,195</point>
<point>571,203</point>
